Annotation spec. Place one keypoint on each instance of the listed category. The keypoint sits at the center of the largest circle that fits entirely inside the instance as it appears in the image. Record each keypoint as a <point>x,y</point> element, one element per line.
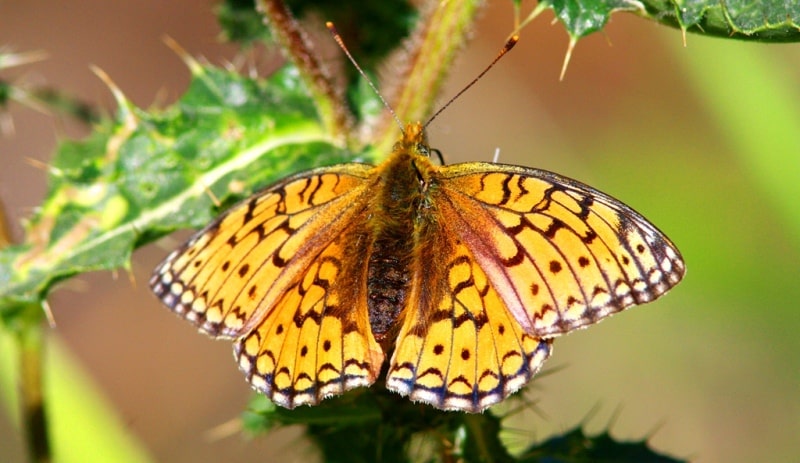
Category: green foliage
<point>386,425</point>
<point>582,17</point>
<point>765,21</point>
<point>145,174</point>
<point>240,22</point>
<point>574,446</point>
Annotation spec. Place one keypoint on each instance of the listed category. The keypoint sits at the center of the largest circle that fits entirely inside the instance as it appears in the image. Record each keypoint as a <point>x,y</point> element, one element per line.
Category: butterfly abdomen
<point>393,211</point>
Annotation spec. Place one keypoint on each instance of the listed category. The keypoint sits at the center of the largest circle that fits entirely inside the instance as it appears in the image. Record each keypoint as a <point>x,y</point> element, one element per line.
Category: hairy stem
<point>298,50</point>
<point>439,35</point>
<point>31,349</point>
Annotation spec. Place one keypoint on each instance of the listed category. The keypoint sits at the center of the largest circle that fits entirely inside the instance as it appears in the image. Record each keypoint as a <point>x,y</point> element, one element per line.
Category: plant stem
<point>298,50</point>
<point>31,350</point>
<point>441,32</point>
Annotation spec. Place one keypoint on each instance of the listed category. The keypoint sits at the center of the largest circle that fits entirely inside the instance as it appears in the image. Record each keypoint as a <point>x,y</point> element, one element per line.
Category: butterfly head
<point>414,140</point>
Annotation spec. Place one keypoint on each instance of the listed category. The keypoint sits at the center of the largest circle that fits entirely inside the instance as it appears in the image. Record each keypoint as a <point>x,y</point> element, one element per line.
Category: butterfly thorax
<point>397,214</point>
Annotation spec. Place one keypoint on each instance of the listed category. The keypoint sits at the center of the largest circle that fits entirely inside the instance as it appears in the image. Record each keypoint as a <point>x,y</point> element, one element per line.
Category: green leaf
<point>391,428</point>
<point>148,173</point>
<point>83,424</point>
<point>582,17</point>
<point>766,20</point>
<point>576,447</point>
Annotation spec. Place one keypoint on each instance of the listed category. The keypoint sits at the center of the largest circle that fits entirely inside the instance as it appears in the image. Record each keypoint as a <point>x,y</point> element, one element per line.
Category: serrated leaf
<point>767,20</point>
<point>148,173</point>
<point>575,446</point>
<point>582,17</point>
<point>764,20</point>
<point>385,423</point>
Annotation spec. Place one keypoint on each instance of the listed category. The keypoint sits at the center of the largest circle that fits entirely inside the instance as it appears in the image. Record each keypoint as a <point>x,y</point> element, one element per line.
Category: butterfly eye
<point>423,150</point>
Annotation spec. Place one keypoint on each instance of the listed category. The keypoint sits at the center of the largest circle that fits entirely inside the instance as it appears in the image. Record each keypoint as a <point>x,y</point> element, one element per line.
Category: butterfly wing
<point>526,255</point>
<point>561,254</point>
<point>458,348</point>
<point>276,274</point>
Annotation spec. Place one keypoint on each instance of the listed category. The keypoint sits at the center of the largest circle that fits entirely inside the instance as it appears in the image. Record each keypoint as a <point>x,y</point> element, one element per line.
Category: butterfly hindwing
<point>270,273</point>
<point>561,254</point>
<point>316,342</point>
<point>459,348</point>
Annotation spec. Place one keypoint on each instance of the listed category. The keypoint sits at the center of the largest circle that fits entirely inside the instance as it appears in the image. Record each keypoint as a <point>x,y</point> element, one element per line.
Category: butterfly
<point>461,275</point>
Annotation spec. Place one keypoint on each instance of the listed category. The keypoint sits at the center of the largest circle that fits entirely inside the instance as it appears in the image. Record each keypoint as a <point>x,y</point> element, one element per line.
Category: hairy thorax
<point>397,213</point>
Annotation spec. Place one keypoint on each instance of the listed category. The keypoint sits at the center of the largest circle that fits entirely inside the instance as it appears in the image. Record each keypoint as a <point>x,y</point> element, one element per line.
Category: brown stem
<point>30,347</point>
<point>440,34</point>
<point>297,49</point>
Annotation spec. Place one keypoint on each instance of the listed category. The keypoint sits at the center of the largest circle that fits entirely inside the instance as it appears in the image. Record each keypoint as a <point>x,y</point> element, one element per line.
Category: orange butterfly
<point>462,273</point>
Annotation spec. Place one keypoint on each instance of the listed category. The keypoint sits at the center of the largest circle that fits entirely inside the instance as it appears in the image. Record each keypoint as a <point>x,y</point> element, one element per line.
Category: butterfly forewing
<point>561,254</point>
<point>270,269</point>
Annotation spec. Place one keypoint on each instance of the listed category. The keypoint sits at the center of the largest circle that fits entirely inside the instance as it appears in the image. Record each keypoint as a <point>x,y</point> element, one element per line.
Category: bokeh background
<point>704,140</point>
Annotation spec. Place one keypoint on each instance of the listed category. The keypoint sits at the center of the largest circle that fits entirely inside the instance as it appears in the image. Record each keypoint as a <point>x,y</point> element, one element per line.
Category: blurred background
<point>703,140</point>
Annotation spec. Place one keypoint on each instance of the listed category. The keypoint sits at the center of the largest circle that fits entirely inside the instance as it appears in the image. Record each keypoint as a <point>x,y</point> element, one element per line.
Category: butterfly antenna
<point>340,42</point>
<point>506,48</point>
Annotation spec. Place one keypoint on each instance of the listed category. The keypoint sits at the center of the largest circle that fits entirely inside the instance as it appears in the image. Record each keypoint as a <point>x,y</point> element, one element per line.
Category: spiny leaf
<point>576,447</point>
<point>582,17</point>
<point>759,20</point>
<point>145,174</point>
<point>762,20</point>
<point>385,422</point>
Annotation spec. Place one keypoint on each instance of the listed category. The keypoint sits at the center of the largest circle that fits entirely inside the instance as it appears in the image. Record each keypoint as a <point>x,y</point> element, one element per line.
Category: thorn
<point>614,417</point>
<point>48,313</point>
<point>683,33</point>
<point>6,124</point>
<point>10,60</point>
<point>224,430</point>
<point>37,164</point>
<point>212,196</point>
<point>652,432</point>
<point>519,25</point>
<point>607,37</point>
<point>124,104</point>
<point>590,414</point>
<point>193,65</point>
<point>5,233</point>
<point>131,276</point>
<point>236,187</point>
<point>567,57</point>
